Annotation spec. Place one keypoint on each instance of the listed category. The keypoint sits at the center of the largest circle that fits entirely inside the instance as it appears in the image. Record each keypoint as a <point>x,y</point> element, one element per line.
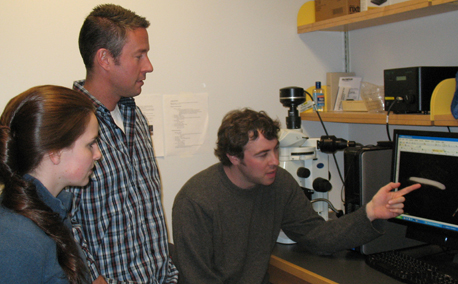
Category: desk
<point>291,265</point>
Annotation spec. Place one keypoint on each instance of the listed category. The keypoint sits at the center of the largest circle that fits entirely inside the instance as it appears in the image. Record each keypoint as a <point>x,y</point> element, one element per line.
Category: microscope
<point>305,158</point>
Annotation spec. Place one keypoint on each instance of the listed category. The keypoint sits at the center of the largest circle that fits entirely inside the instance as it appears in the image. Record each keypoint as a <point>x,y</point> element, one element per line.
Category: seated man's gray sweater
<point>225,234</point>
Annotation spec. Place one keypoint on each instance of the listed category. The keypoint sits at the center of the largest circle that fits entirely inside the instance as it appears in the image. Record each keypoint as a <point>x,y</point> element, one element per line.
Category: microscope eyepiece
<point>292,97</point>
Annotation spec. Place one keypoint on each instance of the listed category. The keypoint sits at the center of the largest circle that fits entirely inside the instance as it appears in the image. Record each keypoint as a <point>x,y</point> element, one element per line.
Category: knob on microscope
<point>322,185</point>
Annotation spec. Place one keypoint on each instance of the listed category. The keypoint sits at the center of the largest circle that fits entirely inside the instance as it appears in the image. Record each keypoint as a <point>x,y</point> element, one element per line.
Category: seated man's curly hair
<point>238,128</point>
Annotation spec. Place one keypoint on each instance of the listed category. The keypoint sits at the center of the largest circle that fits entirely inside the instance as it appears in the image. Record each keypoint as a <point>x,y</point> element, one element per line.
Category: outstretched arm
<point>387,203</point>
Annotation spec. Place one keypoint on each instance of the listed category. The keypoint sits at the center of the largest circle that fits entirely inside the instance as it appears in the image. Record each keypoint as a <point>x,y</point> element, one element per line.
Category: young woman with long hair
<point>47,142</point>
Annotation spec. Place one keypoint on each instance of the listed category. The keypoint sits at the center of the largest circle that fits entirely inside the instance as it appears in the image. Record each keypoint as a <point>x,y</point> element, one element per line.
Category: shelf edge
<point>393,13</point>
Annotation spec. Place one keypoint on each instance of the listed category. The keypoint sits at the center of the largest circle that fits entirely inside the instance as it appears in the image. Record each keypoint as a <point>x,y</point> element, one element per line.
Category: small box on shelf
<point>354,106</point>
<point>328,9</point>
<point>373,4</point>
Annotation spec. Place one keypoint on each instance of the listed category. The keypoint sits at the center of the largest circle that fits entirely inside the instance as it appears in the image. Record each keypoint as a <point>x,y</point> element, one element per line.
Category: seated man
<point>226,219</point>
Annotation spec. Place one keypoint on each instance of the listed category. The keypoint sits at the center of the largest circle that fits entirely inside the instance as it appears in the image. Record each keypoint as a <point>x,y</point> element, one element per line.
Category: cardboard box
<point>332,84</point>
<point>372,4</point>
<point>328,9</point>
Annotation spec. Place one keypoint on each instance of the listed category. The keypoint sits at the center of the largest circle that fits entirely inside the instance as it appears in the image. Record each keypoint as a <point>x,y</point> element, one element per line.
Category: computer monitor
<point>431,159</point>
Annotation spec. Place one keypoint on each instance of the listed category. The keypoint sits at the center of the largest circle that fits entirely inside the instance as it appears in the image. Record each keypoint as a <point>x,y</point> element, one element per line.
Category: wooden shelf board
<point>445,120</point>
<point>384,15</point>
<point>369,118</point>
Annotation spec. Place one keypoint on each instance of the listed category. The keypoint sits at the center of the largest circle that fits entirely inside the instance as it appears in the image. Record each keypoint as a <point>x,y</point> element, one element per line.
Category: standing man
<point>226,219</point>
<point>118,219</point>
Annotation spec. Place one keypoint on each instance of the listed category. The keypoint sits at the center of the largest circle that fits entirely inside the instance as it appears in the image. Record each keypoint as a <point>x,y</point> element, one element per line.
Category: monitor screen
<point>431,159</point>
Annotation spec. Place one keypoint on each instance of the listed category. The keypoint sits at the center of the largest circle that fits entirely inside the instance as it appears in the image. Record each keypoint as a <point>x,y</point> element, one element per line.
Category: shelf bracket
<point>347,51</point>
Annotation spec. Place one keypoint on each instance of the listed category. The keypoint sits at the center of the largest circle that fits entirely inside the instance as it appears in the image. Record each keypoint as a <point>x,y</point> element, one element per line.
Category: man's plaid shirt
<point>118,218</point>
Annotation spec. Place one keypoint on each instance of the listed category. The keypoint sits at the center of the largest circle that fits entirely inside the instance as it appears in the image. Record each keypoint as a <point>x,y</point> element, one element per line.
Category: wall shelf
<point>380,118</point>
<point>390,14</point>
<point>411,9</point>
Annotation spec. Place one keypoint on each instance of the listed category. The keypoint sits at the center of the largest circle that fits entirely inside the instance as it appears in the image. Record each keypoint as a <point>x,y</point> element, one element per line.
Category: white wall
<point>239,52</point>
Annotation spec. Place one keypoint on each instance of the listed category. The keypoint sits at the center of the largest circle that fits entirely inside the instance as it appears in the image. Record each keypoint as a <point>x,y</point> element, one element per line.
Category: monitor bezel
<point>421,232</point>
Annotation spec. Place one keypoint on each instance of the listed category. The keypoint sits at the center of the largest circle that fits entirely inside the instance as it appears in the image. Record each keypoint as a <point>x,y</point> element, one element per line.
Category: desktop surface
<point>349,267</point>
<point>345,267</point>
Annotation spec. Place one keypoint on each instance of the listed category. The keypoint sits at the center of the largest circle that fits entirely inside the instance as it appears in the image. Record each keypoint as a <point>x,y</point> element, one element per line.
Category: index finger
<point>408,189</point>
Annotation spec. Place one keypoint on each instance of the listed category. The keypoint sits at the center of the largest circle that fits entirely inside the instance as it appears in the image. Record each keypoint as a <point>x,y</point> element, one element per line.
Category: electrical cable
<point>333,154</point>
<point>337,211</point>
<point>397,99</point>
<point>317,112</point>
<point>326,131</point>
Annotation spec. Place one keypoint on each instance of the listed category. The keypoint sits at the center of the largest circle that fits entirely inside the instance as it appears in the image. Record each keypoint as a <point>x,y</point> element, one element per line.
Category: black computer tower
<point>367,169</point>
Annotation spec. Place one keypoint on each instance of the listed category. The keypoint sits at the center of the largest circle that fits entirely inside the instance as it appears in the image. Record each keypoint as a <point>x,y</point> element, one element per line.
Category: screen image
<point>430,159</point>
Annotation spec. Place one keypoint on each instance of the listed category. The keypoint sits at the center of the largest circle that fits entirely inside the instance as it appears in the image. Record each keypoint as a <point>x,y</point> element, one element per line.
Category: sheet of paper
<point>151,107</point>
<point>185,122</point>
<point>349,89</point>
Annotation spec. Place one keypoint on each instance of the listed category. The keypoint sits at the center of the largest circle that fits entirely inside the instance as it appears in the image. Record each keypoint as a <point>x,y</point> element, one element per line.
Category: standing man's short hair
<point>238,128</point>
<point>106,27</point>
